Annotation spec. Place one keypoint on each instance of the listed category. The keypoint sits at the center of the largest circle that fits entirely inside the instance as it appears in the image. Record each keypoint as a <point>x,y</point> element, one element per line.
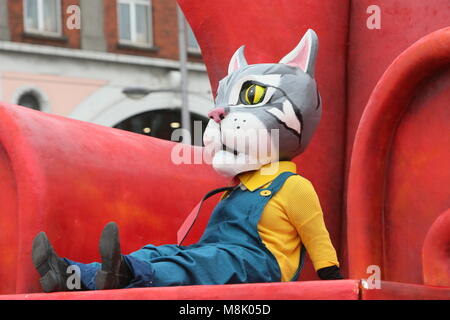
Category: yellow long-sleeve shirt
<point>291,218</point>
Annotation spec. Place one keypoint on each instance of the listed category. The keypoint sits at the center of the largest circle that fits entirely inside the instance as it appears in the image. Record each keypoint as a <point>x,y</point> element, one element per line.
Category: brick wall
<point>165,31</point>
<point>69,39</point>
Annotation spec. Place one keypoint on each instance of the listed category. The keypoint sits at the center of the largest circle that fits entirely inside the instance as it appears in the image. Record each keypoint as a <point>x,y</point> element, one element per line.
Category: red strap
<point>188,223</point>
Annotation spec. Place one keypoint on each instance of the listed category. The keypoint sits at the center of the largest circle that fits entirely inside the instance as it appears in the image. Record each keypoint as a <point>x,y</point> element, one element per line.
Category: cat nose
<point>217,114</point>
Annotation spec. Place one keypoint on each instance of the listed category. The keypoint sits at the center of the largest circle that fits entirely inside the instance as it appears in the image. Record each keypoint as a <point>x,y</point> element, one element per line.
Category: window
<point>135,22</point>
<point>42,16</point>
<point>192,43</point>
<point>29,100</point>
<point>159,123</point>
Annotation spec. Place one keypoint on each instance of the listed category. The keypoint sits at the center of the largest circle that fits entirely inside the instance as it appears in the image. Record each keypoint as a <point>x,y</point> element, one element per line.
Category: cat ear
<point>237,61</point>
<point>304,54</point>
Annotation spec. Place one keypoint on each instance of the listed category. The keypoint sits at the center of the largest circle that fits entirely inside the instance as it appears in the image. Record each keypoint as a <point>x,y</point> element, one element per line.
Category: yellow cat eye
<point>254,94</point>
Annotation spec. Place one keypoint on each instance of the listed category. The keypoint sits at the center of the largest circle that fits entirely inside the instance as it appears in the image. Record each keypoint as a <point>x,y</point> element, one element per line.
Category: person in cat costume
<point>262,227</point>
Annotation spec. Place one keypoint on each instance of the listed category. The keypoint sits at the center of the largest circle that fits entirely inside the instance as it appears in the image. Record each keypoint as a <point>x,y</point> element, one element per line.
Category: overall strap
<point>188,223</point>
<point>300,263</point>
<point>279,181</point>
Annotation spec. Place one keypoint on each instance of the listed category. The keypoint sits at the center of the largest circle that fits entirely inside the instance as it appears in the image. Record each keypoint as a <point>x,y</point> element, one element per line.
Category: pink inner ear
<point>235,64</point>
<point>301,60</point>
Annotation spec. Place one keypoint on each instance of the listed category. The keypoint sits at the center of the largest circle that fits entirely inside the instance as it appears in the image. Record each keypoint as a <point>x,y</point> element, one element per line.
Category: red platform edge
<point>307,290</point>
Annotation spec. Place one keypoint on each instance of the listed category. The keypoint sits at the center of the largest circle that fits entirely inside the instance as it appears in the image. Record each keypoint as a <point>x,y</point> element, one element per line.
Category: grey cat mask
<point>264,112</point>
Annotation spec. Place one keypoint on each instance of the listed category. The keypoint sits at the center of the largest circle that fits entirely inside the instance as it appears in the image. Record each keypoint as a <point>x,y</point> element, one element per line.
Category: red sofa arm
<point>69,178</point>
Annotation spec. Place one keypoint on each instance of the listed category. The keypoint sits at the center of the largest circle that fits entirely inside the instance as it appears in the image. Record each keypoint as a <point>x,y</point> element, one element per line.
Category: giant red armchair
<point>379,161</point>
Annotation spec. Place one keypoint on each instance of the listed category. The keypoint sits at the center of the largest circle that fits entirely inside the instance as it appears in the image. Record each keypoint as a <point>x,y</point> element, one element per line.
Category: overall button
<point>265,193</point>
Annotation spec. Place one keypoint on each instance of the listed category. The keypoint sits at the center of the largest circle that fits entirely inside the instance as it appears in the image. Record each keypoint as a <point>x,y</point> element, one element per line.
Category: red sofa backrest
<point>352,59</point>
<point>269,30</point>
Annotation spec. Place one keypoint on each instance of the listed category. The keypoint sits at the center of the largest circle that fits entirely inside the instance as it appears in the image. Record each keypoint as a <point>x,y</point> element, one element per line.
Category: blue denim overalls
<point>230,250</point>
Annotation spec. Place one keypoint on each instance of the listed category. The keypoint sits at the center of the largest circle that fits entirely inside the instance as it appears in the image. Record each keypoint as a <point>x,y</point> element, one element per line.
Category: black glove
<point>330,273</point>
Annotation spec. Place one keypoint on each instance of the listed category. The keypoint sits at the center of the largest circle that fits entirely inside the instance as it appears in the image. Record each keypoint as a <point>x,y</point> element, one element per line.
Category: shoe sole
<point>106,277</point>
<point>51,279</point>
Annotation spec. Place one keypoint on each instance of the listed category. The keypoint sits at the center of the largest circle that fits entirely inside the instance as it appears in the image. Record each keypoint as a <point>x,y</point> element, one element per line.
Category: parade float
<point>379,160</point>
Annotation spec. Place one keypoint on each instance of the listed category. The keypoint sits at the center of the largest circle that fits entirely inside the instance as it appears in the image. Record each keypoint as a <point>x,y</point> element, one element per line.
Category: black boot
<point>53,270</point>
<point>114,273</point>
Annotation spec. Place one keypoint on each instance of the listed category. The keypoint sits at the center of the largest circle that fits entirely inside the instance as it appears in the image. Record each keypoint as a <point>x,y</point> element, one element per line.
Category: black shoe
<point>53,270</point>
<point>114,273</point>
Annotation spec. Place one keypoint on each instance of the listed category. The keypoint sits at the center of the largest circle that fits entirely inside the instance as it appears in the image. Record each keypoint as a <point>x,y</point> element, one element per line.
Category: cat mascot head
<point>264,112</point>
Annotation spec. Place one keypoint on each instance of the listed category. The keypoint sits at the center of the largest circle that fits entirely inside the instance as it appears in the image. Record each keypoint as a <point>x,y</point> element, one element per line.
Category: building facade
<point>77,58</point>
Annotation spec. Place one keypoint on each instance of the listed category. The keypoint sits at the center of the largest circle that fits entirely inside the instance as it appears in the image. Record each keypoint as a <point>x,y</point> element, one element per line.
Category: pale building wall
<point>61,94</point>
<point>88,85</point>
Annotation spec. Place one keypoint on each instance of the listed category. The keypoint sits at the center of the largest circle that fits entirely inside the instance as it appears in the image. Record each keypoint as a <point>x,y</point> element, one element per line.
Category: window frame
<point>133,23</point>
<point>40,19</point>
<point>193,50</point>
